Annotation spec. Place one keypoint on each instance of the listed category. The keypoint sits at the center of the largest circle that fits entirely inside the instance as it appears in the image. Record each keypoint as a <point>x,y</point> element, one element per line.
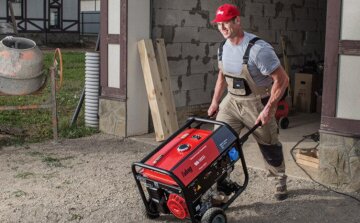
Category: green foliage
<point>75,217</point>
<point>19,193</point>
<point>24,175</point>
<point>37,124</point>
<point>51,161</point>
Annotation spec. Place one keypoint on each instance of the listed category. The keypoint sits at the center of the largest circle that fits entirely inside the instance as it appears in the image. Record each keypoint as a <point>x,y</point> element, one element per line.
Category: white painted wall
<point>348,101</point>
<point>137,103</point>
<point>349,91</point>
<point>114,65</point>
<point>350,26</point>
<point>2,8</point>
<point>90,5</point>
<point>70,9</point>
<point>114,17</point>
<point>36,12</point>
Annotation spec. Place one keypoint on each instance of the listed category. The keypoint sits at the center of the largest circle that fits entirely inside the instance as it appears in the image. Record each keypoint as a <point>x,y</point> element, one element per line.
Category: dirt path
<point>89,180</point>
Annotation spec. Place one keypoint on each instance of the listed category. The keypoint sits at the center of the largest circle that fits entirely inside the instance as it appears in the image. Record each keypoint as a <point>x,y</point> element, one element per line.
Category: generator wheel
<point>214,215</point>
<point>284,122</point>
<point>153,212</point>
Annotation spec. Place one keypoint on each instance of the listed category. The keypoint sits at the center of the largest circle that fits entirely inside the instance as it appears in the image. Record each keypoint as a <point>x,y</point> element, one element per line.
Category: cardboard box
<point>304,97</point>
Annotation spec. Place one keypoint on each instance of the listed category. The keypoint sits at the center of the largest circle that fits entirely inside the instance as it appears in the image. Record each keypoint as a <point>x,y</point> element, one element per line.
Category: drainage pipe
<point>92,68</point>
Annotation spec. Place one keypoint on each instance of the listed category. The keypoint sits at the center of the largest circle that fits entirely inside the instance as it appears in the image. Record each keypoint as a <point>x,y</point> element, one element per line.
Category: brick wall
<point>192,42</point>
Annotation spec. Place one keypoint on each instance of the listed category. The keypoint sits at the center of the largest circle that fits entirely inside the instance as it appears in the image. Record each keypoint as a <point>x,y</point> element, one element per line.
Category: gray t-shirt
<point>262,59</point>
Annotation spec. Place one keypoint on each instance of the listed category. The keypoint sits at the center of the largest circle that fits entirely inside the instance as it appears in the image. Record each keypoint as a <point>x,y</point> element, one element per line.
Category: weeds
<point>75,217</point>
<point>35,153</point>
<point>49,176</point>
<point>24,175</point>
<point>19,193</point>
<point>52,162</point>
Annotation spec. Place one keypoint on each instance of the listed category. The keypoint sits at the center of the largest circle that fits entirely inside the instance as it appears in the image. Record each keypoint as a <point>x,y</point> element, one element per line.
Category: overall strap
<point>221,50</point>
<point>247,52</point>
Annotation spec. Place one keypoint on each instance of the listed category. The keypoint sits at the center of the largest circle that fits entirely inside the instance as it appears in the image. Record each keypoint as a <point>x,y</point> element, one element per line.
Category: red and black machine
<point>181,173</point>
<point>282,113</point>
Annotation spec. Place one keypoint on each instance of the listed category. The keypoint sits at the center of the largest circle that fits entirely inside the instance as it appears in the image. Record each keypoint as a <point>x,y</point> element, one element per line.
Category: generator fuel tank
<point>189,154</point>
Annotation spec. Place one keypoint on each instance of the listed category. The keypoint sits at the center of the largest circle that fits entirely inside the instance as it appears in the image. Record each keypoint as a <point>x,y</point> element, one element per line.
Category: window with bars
<point>54,17</point>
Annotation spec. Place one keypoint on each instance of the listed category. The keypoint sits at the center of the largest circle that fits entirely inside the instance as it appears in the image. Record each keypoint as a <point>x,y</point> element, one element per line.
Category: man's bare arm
<point>218,92</point>
<point>281,82</point>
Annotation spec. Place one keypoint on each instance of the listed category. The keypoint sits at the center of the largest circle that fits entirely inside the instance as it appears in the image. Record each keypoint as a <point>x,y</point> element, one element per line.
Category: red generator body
<point>180,175</point>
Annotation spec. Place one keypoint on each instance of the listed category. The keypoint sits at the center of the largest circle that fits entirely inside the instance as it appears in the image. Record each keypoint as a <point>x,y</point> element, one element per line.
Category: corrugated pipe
<point>92,68</point>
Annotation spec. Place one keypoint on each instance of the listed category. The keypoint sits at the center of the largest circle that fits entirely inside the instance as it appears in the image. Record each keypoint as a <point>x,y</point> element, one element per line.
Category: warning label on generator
<point>223,138</point>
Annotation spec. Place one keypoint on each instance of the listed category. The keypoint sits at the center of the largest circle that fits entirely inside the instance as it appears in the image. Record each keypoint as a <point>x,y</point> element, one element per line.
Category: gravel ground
<point>90,180</point>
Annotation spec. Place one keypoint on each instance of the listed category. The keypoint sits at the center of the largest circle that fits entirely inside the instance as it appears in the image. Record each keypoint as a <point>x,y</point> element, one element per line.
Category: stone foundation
<point>112,117</point>
<point>340,161</point>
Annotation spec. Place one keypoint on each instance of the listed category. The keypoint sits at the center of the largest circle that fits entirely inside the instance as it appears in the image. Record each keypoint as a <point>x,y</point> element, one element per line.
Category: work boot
<point>228,186</point>
<point>281,192</point>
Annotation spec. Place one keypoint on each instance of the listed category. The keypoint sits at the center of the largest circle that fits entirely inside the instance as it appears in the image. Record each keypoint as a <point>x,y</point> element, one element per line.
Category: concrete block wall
<point>192,41</point>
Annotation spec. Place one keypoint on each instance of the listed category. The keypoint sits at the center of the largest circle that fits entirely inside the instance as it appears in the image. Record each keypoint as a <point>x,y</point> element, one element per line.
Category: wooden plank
<point>13,20</point>
<point>307,163</point>
<point>331,60</point>
<point>307,157</point>
<point>156,98</point>
<point>349,47</point>
<point>164,72</point>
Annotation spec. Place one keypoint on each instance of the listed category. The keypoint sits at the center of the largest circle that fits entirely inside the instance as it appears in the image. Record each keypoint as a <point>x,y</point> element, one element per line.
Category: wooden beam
<point>349,47</point>
<point>13,20</point>
<point>331,60</point>
<point>164,72</point>
<point>156,97</point>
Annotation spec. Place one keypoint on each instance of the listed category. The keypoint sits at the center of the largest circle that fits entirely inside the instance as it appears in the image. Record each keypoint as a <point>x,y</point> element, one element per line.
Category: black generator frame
<point>181,188</point>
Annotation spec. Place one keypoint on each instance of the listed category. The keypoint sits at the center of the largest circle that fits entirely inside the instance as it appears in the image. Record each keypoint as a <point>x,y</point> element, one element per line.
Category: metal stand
<point>51,102</point>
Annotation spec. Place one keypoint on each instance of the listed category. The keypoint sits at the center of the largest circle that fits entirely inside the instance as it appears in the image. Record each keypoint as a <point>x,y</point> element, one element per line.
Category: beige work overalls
<point>239,110</point>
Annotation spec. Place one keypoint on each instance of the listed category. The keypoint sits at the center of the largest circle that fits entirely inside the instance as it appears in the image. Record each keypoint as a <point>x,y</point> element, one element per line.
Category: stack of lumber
<point>157,81</point>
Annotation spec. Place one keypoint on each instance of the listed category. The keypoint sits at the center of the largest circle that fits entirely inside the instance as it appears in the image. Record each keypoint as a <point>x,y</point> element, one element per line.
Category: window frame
<point>58,27</point>
<point>334,47</point>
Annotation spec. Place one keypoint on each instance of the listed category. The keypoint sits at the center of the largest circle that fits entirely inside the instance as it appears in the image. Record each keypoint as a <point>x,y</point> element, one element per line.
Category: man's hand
<point>265,115</point>
<point>213,109</point>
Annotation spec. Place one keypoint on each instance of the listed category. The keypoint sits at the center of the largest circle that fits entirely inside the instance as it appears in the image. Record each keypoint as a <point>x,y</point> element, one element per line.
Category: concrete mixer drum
<point>21,66</point>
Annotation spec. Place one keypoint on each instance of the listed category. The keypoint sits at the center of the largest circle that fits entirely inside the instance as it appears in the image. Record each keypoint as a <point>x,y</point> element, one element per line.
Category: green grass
<point>37,124</point>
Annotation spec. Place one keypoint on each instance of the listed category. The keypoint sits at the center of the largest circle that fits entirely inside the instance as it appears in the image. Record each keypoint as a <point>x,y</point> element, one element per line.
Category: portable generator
<point>181,175</point>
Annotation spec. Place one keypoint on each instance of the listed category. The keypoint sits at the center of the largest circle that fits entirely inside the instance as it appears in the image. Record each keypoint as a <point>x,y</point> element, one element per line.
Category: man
<point>255,81</point>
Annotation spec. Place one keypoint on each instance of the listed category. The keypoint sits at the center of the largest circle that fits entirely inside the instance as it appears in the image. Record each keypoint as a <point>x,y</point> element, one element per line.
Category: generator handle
<point>246,135</point>
<point>204,120</point>
<point>165,172</point>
